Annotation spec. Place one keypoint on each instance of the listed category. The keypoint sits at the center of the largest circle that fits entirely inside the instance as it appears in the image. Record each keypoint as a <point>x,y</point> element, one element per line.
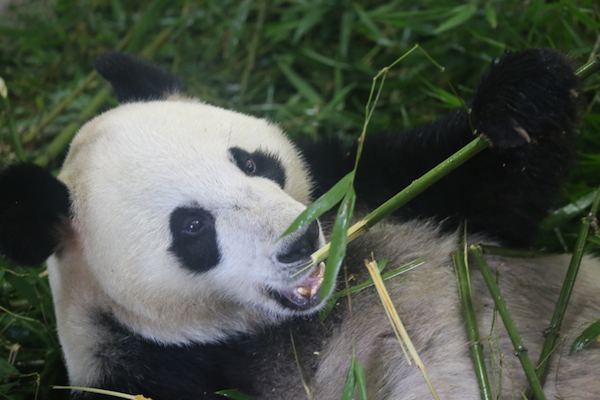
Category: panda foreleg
<point>525,104</point>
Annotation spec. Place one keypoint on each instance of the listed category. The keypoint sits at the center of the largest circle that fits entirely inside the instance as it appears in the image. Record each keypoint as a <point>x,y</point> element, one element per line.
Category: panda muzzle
<point>305,295</point>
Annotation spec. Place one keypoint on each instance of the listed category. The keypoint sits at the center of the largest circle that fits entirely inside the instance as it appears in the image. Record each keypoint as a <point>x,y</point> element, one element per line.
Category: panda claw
<point>523,133</point>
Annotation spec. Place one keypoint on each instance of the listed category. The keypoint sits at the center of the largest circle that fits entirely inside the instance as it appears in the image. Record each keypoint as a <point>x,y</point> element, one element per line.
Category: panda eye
<point>194,238</point>
<point>259,164</point>
<point>193,227</point>
<point>249,166</point>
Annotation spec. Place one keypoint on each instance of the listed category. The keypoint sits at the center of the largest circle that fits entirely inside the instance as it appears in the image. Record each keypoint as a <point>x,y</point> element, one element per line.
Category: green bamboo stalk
<point>588,69</point>
<point>416,187</point>
<point>553,330</point>
<point>412,190</point>
<point>460,258</point>
<point>520,350</point>
<point>508,252</point>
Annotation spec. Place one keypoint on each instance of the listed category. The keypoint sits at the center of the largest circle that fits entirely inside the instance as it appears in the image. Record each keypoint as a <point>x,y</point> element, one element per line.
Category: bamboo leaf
<point>336,101</point>
<point>490,15</point>
<point>451,100</point>
<point>348,393</point>
<point>7,369</point>
<point>371,27</point>
<point>22,285</point>
<point>312,18</point>
<point>381,264</point>
<point>322,205</point>
<point>568,212</point>
<point>460,15</point>
<point>590,333</point>
<point>324,313</point>
<point>337,250</point>
<point>361,381</point>
<point>301,85</point>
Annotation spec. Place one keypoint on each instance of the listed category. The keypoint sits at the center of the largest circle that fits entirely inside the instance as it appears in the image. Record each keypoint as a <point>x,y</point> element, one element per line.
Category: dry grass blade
<point>105,392</point>
<point>397,323</point>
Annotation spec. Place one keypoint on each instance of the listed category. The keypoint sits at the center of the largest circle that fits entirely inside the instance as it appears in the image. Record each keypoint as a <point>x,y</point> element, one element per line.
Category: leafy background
<point>307,65</point>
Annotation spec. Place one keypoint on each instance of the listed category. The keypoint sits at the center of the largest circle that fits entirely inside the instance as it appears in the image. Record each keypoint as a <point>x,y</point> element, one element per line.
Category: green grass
<point>307,65</point>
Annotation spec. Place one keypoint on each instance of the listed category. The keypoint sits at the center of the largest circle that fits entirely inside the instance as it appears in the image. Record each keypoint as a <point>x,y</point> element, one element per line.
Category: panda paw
<point>526,97</point>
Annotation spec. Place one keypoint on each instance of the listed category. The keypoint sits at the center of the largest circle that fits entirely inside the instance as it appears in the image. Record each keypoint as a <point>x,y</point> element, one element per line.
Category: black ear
<point>33,205</point>
<point>134,79</point>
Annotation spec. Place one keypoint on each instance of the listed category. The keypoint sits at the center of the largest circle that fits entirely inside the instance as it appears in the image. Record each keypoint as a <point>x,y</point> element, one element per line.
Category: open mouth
<point>304,296</point>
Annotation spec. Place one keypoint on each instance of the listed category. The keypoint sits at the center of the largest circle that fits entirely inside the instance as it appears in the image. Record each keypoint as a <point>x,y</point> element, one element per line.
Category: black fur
<point>194,238</point>
<point>505,191</point>
<point>32,206</point>
<point>141,366</point>
<point>303,247</point>
<point>135,79</point>
<point>264,164</point>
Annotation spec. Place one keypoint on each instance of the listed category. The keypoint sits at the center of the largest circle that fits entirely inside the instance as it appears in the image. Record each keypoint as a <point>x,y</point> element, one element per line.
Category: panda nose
<point>303,247</point>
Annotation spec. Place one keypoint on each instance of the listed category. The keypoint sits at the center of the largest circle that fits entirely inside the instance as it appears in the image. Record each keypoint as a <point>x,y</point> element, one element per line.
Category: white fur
<point>126,171</point>
<point>129,168</point>
<point>428,304</point>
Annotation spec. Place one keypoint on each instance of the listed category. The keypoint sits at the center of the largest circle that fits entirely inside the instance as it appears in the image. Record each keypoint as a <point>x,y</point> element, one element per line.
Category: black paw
<point>526,96</point>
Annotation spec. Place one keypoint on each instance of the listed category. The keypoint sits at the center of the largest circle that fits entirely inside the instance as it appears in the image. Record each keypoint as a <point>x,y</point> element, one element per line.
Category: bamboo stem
<point>460,258</point>
<point>431,177</point>
<point>520,350</point>
<point>412,190</point>
<point>588,69</point>
<point>553,331</point>
<point>508,252</point>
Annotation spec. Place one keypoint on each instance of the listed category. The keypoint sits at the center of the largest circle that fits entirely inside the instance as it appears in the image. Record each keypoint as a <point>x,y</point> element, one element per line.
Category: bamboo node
<point>520,351</point>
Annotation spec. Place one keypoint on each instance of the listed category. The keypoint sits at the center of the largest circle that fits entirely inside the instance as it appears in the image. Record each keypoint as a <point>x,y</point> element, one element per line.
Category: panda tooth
<point>319,272</point>
<point>316,288</point>
<point>322,269</point>
<point>303,291</point>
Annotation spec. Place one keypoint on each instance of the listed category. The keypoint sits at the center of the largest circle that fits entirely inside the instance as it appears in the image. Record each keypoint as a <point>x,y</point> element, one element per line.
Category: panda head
<point>174,218</point>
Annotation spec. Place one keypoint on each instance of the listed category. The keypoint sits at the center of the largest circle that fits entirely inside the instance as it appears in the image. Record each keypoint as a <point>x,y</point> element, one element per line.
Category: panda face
<point>178,209</point>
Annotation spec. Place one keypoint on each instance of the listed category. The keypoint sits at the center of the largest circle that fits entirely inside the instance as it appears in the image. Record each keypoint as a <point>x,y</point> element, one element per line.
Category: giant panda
<point>171,278</point>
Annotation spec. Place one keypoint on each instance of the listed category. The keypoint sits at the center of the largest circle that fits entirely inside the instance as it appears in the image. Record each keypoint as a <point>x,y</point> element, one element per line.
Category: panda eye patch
<point>194,238</point>
<point>259,163</point>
